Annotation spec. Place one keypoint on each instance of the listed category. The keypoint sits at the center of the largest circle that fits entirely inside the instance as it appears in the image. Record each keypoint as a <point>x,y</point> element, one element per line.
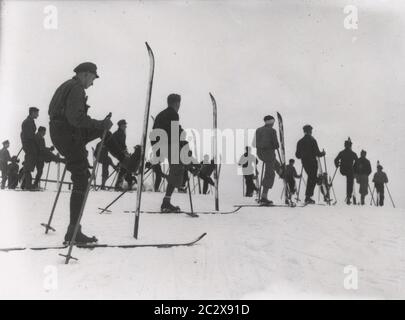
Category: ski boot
<point>265,202</point>
<point>80,237</point>
<point>167,207</point>
<point>309,201</point>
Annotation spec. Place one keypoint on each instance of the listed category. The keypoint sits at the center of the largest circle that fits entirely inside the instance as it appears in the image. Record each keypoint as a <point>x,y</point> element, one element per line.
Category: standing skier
<point>249,162</point>
<point>380,179</point>
<point>362,169</point>
<point>43,154</point>
<point>168,121</point>
<point>12,172</point>
<point>345,160</point>
<point>28,131</point>
<point>120,137</point>
<point>105,162</point>
<point>4,160</point>
<point>290,176</point>
<point>266,143</point>
<point>207,169</point>
<point>71,130</point>
<point>308,151</point>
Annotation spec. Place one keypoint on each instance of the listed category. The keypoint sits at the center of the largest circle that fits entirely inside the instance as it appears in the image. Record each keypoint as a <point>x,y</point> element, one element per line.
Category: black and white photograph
<point>195,151</point>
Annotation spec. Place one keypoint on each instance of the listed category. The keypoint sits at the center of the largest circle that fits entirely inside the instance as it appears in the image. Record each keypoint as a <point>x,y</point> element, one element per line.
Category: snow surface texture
<point>258,253</point>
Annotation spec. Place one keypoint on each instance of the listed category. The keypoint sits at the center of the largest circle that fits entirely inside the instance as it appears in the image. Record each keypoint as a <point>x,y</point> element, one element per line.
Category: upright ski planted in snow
<point>215,150</point>
<point>283,160</point>
<point>144,139</point>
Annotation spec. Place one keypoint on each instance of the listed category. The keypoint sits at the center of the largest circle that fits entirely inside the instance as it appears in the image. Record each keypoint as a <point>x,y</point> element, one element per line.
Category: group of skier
<point>71,129</point>
<point>351,166</point>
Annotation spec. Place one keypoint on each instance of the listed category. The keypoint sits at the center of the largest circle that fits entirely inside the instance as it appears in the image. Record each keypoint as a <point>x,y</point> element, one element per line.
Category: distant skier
<point>168,121</point>
<point>290,176</point>
<point>105,162</point>
<point>120,136</point>
<point>266,143</point>
<point>380,179</point>
<point>28,131</point>
<point>308,151</point>
<point>12,172</point>
<point>4,160</point>
<point>71,129</point>
<point>249,162</point>
<point>206,170</point>
<point>362,169</point>
<point>43,155</point>
<point>345,160</point>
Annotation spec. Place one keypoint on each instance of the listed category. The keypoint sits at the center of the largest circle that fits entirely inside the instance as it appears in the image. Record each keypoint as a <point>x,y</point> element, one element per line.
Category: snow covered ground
<point>257,253</point>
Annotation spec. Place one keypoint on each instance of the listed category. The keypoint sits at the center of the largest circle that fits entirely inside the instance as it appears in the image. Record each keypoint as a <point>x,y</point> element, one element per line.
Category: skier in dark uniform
<point>380,179</point>
<point>207,168</point>
<point>105,162</point>
<point>290,176</point>
<point>362,170</point>
<point>43,155</point>
<point>12,172</point>
<point>266,143</point>
<point>120,137</point>
<point>308,151</point>
<point>71,128</point>
<point>345,160</point>
<point>28,131</point>
<point>249,162</point>
<point>4,160</point>
<point>172,149</point>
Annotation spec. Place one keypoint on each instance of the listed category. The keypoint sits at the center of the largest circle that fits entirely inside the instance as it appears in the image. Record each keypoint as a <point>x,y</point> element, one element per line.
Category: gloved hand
<point>52,149</point>
<point>323,153</point>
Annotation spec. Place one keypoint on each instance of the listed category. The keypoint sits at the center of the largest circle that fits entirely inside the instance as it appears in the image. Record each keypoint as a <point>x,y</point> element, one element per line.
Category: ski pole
<point>334,175</point>
<point>372,195</point>
<point>299,184</point>
<point>189,194</point>
<point>19,152</point>
<point>69,256</point>
<point>260,183</point>
<point>48,225</point>
<point>389,193</point>
<point>114,201</point>
<point>47,175</point>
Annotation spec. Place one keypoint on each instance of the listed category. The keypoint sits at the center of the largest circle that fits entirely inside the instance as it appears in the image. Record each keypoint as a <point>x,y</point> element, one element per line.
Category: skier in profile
<point>167,121</point>
<point>380,179</point>
<point>362,170</point>
<point>345,160</point>
<point>71,129</point>
<point>308,151</point>
<point>266,143</point>
<point>249,162</point>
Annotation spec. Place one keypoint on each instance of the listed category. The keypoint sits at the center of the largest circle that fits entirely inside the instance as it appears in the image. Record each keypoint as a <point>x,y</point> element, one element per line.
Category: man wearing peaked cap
<point>71,129</point>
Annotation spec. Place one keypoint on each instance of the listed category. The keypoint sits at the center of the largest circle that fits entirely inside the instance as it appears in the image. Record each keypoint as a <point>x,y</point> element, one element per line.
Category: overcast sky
<point>257,58</point>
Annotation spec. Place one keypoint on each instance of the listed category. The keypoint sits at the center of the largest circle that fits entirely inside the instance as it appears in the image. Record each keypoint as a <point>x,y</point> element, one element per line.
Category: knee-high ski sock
<point>169,192</point>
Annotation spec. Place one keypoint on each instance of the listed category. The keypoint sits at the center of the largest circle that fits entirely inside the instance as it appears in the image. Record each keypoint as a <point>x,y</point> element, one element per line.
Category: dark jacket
<point>380,177</point>
<point>69,108</point>
<point>266,143</point>
<point>362,166</point>
<point>307,149</point>
<point>207,168</point>
<point>28,130</point>
<point>290,172</point>
<point>346,160</point>
<point>12,169</point>
<point>120,138</point>
<point>4,158</point>
<point>164,121</point>
<point>42,152</point>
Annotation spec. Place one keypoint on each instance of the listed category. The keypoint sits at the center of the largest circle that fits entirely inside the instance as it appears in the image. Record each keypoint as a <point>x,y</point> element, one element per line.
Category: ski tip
<point>147,45</point>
